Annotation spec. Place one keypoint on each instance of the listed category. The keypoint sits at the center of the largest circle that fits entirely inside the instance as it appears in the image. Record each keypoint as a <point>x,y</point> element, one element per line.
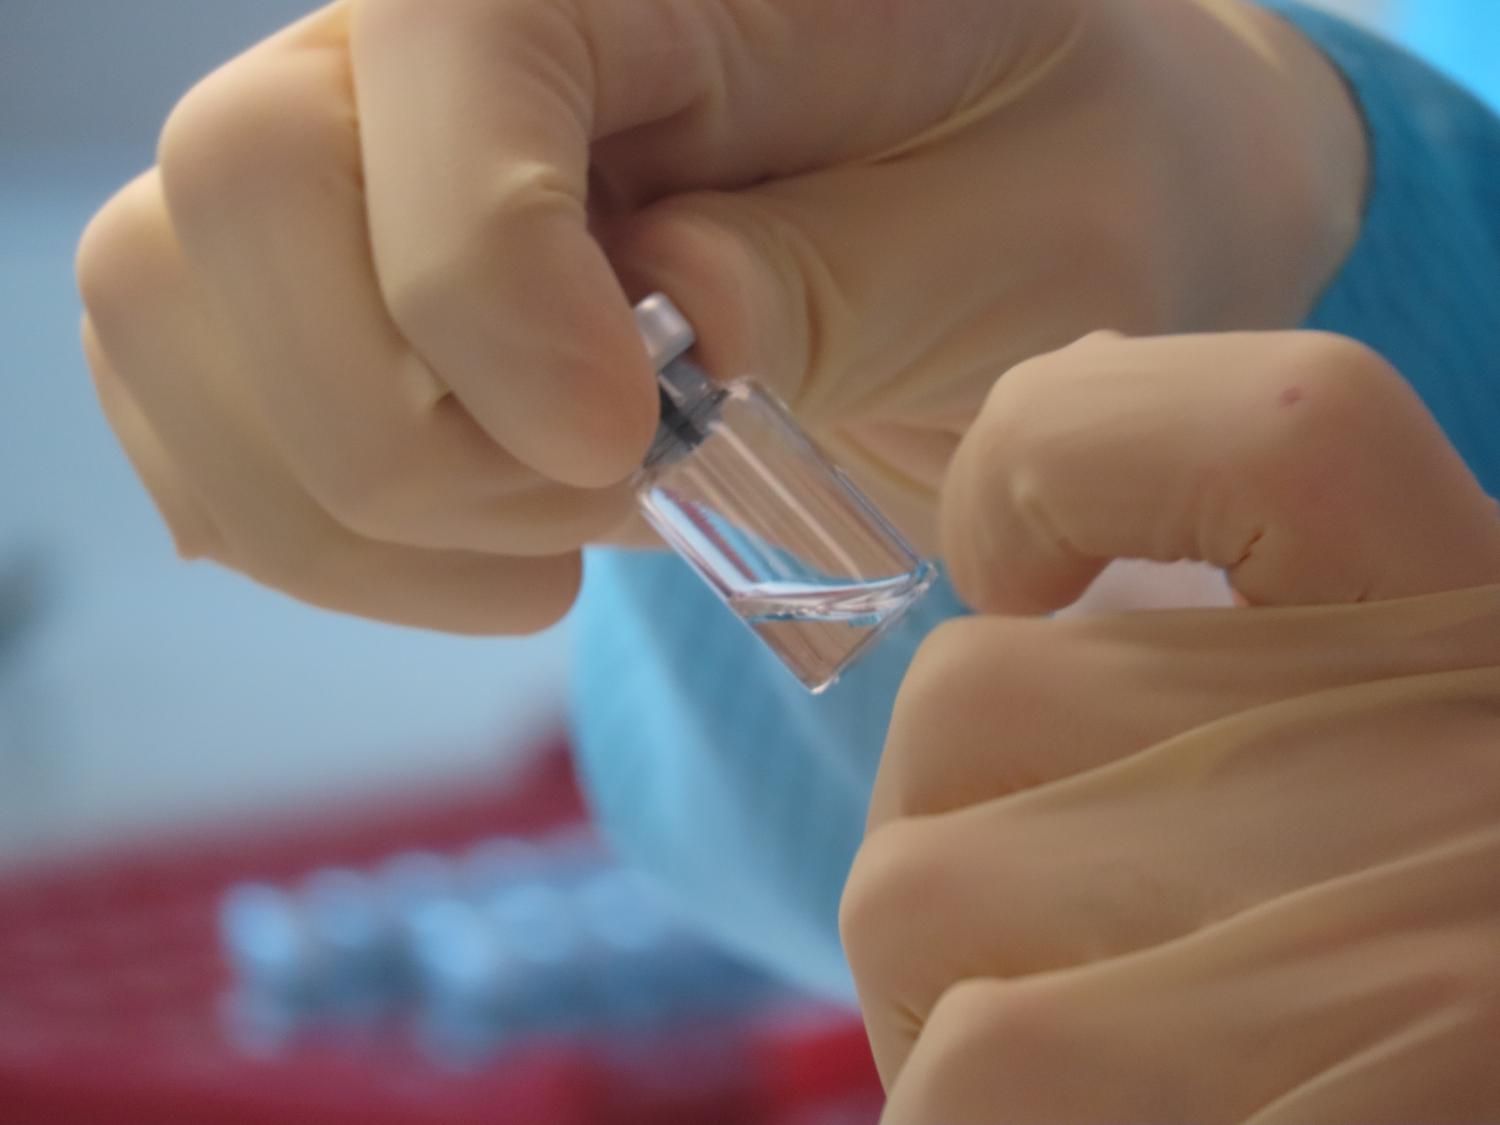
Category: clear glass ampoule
<point>787,541</point>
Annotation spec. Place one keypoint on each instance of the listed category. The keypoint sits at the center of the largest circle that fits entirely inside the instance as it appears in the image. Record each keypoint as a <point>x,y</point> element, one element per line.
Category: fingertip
<point>579,403</point>
<point>957,546</point>
<point>965,538</point>
<point>1017,590</point>
<point>686,250</point>
<point>552,588</point>
<point>1014,594</point>
<point>603,407</point>
<point>993,570</point>
<point>706,252</point>
<point>600,425</point>
<point>464,593</point>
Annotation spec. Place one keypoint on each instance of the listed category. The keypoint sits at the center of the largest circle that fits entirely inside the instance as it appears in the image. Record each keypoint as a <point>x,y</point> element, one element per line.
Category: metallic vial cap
<point>664,330</point>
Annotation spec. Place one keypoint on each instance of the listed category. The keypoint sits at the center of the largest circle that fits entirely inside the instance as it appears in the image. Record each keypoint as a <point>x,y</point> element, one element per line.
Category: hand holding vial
<point>365,331</point>
<point>1216,865</point>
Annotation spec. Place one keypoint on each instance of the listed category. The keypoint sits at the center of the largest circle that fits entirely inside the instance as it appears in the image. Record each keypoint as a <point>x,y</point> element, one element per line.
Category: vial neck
<point>689,406</point>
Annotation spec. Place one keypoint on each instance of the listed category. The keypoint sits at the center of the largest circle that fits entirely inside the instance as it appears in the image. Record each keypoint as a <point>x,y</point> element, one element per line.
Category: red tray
<point>111,991</point>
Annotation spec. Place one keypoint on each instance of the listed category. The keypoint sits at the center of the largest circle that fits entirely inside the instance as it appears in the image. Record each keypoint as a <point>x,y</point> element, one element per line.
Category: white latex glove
<point>1197,866</point>
<point>361,331</point>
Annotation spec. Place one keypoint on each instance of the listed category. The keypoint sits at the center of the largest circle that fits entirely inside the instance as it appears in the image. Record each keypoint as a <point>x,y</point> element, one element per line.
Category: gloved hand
<point>1202,865</point>
<point>363,331</point>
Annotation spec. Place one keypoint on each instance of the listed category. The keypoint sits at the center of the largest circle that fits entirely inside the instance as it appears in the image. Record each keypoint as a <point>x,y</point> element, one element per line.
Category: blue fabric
<point>1423,285</point>
<point>709,766</point>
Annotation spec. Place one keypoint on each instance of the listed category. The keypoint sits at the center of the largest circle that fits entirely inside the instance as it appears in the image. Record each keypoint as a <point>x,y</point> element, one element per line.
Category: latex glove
<point>1201,865</point>
<point>361,330</point>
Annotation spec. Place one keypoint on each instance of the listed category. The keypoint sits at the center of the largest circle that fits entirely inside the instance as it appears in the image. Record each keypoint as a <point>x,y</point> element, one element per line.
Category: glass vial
<point>787,541</point>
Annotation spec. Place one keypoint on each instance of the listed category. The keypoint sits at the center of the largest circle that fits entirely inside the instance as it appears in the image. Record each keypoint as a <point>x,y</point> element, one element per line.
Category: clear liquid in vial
<point>864,604</point>
<point>818,630</point>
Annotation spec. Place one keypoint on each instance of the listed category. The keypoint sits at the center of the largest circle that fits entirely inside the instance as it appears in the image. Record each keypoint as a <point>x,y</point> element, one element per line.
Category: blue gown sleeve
<point>711,768</point>
<point>1422,286</point>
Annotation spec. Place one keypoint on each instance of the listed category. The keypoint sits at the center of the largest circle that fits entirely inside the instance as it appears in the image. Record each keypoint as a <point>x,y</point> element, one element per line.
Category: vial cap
<point>664,330</point>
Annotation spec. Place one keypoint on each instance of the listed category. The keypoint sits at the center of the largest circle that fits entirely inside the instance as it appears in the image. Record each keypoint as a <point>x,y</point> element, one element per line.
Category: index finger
<point>475,121</point>
<point>1300,463</point>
